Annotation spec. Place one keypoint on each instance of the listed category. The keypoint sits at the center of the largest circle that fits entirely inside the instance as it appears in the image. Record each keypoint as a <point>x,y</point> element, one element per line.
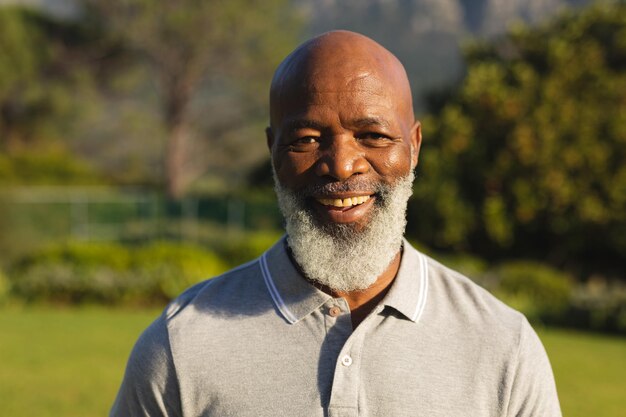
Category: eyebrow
<point>292,125</point>
<point>371,121</point>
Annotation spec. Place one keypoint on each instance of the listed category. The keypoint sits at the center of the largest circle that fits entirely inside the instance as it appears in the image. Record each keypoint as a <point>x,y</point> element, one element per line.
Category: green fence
<point>32,216</point>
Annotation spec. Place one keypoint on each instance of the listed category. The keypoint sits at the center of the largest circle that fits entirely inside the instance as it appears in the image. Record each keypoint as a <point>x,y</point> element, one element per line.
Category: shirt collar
<point>296,298</point>
<point>409,290</point>
<point>293,296</point>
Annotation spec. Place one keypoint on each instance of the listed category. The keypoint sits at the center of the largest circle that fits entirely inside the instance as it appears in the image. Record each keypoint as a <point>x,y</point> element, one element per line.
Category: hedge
<point>537,290</point>
<point>112,273</point>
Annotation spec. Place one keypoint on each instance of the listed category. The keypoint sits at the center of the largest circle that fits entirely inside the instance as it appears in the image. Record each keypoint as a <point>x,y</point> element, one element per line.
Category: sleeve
<point>533,392</point>
<point>150,386</point>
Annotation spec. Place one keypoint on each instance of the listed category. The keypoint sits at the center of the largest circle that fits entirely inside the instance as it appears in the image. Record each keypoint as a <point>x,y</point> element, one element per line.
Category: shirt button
<point>334,311</point>
<point>346,360</point>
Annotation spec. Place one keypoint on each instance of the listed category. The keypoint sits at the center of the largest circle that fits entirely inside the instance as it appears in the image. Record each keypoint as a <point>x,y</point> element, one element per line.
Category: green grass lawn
<point>69,362</point>
<point>590,372</point>
<point>65,362</point>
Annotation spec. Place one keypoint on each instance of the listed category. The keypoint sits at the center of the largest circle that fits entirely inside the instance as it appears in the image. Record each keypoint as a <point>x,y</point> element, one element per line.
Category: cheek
<point>394,164</point>
<point>292,167</point>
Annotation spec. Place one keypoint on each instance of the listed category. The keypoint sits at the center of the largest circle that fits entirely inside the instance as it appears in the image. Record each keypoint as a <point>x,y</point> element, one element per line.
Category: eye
<point>304,143</point>
<point>374,138</point>
<point>372,135</point>
<point>306,140</point>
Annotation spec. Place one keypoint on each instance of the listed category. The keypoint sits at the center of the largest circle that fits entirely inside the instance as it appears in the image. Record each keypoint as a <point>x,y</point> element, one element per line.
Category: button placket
<point>344,395</point>
<point>346,382</point>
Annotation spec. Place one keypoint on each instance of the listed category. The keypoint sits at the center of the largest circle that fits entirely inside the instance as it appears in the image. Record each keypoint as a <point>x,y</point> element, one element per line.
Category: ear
<point>416,143</point>
<point>269,135</point>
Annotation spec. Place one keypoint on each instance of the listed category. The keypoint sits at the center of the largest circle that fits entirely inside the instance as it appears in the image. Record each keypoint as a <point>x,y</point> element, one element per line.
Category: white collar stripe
<point>280,304</point>
<point>421,301</point>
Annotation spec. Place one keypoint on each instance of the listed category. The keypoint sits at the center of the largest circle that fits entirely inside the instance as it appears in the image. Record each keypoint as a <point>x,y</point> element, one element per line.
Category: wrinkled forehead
<point>339,65</point>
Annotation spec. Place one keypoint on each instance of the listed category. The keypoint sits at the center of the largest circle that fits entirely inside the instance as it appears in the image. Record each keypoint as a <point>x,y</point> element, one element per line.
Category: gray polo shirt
<point>261,341</point>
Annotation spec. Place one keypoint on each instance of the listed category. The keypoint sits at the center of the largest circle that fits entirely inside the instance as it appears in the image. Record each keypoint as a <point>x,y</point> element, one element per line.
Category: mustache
<point>350,185</point>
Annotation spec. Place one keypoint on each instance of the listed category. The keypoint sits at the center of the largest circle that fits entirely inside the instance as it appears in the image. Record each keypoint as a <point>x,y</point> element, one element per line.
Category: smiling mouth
<point>343,202</point>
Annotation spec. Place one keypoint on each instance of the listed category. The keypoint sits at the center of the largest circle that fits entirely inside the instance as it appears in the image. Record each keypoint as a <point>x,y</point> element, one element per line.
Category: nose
<point>342,159</point>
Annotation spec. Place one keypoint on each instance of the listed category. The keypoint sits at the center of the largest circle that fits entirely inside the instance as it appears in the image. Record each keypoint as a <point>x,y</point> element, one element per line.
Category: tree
<point>527,156</point>
<point>38,68</point>
<point>192,46</point>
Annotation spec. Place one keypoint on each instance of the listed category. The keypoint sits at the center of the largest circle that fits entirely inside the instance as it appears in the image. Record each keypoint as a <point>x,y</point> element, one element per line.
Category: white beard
<point>338,256</point>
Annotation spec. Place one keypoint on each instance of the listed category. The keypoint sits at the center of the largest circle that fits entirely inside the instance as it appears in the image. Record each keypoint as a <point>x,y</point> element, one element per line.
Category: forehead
<point>357,95</point>
<point>344,71</point>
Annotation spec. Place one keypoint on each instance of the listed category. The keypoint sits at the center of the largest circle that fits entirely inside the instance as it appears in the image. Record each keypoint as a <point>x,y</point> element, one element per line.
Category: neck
<point>362,302</point>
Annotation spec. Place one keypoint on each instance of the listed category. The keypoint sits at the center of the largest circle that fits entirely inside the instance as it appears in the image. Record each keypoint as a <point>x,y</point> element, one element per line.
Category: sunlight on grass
<point>589,371</point>
<point>65,362</point>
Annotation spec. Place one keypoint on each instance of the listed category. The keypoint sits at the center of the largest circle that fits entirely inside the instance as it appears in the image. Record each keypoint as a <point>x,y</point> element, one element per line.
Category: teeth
<point>346,202</point>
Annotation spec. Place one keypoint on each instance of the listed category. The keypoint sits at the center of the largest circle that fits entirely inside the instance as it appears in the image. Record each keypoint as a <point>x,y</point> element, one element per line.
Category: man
<point>342,317</point>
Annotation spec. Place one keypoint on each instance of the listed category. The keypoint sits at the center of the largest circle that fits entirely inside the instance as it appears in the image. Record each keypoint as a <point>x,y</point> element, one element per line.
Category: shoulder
<point>472,323</point>
<point>229,288</point>
<point>455,304</point>
<point>455,292</point>
<point>150,385</point>
<point>151,381</point>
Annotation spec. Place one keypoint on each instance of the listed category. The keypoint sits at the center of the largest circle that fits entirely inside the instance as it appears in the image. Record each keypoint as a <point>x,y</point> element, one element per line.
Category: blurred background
<point>133,164</point>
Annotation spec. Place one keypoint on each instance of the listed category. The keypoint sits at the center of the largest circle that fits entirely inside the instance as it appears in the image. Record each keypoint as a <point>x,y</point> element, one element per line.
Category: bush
<point>246,248</point>
<point>598,305</point>
<point>538,291</point>
<point>4,287</point>
<point>467,265</point>
<point>174,267</point>
<point>525,156</point>
<point>112,273</point>
<point>46,166</point>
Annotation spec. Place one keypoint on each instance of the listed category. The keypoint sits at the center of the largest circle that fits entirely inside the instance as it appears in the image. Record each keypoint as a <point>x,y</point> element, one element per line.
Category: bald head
<point>338,59</point>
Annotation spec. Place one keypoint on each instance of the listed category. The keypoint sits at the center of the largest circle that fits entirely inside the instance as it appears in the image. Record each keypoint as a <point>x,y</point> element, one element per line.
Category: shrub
<point>246,248</point>
<point>112,273</point>
<point>174,267</point>
<point>467,265</point>
<point>46,166</point>
<point>598,305</point>
<point>538,291</point>
<point>525,155</point>
<point>82,255</point>
<point>4,287</point>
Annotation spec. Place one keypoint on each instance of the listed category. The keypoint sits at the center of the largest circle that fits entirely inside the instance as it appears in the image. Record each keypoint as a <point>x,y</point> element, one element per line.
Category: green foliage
<point>598,305</point>
<point>45,166</point>
<point>527,157</point>
<point>536,290</point>
<point>4,287</point>
<point>246,248</point>
<point>112,273</point>
<point>39,76</point>
<point>202,54</point>
<point>468,265</point>
<point>176,267</point>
